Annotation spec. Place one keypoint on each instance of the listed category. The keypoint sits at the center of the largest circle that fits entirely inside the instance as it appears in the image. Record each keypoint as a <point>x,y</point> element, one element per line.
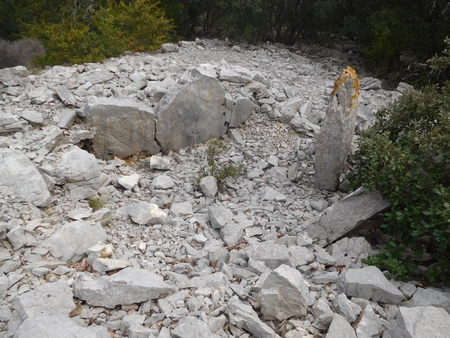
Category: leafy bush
<point>221,171</point>
<point>405,156</point>
<point>92,34</point>
<point>19,53</point>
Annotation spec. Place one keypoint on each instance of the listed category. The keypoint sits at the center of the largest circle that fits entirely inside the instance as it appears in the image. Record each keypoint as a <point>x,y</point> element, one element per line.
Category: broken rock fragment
<point>369,283</point>
<point>19,175</point>
<point>284,294</point>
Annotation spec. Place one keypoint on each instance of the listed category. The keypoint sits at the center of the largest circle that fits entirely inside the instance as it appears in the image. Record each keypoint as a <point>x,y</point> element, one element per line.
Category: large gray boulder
<point>191,114</point>
<point>126,287</point>
<point>347,214</point>
<point>335,137</point>
<point>19,176</point>
<point>124,127</point>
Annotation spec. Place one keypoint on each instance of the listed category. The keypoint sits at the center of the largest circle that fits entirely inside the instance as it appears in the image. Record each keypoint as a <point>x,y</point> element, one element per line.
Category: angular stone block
<point>124,127</point>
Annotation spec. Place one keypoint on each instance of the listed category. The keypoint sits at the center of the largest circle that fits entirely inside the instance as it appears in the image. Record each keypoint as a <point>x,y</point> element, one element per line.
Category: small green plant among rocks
<point>96,203</point>
<point>221,171</point>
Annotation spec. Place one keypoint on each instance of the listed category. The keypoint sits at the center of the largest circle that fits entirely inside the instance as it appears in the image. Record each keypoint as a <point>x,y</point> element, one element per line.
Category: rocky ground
<point>151,254</point>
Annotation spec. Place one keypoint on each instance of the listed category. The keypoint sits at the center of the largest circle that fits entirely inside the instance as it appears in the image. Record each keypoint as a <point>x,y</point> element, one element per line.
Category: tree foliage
<point>395,38</point>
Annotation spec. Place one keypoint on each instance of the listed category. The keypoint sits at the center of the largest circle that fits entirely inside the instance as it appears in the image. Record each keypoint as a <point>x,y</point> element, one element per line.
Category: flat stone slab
<point>126,287</point>
<point>429,297</point>
<point>347,214</point>
<point>57,326</point>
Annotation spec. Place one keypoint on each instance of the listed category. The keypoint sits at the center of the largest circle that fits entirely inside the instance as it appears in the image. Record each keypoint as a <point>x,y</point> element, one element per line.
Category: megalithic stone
<point>335,137</point>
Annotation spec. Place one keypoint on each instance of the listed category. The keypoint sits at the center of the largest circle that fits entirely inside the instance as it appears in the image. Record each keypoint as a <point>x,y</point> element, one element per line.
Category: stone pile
<point>103,247</point>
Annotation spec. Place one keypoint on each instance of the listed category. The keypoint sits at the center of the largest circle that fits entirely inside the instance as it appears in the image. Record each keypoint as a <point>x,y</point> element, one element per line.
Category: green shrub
<point>96,203</point>
<point>405,156</point>
<point>92,35</point>
<point>221,171</point>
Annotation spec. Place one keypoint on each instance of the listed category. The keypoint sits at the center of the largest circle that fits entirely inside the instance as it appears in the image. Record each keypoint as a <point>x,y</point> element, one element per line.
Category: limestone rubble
<point>111,247</point>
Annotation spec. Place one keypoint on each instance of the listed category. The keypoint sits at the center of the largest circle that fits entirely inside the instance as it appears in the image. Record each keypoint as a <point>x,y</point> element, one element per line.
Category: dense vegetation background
<point>394,37</point>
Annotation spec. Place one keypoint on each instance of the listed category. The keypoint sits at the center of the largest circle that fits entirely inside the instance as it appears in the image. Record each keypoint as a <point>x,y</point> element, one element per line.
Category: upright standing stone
<point>335,137</point>
<point>124,127</point>
<point>191,114</point>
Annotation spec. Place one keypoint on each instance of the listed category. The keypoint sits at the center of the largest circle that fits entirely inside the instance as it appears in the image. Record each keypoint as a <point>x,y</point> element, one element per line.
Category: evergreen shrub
<point>93,35</point>
<point>405,155</point>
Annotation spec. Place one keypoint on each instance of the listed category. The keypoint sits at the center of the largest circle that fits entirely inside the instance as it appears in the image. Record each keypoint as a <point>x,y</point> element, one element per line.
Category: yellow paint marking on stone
<point>348,73</point>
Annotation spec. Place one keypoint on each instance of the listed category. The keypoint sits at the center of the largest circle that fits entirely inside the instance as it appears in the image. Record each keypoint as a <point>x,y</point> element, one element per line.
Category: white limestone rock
<point>345,215</point>
<point>48,299</point>
<point>219,216</point>
<point>72,240</point>
<point>323,314</point>
<point>243,316</point>
<point>349,310</point>
<point>208,185</point>
<point>369,283</point>
<point>128,286</point>
<point>181,209</point>
<point>57,326</point>
<point>429,297</point>
<point>75,165</point>
<point>163,182</point>
<point>273,255</point>
<point>284,294</point>
<point>67,118</point>
<point>350,251</point>
<point>19,175</point>
<point>33,117</point>
<point>421,321</point>
<point>369,324</point>
<point>159,163</point>
<point>130,181</point>
<point>340,328</point>
<point>123,127</point>
<point>104,265</point>
<point>291,109</point>
<point>145,213</point>
<point>191,327</point>
<point>169,48</point>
